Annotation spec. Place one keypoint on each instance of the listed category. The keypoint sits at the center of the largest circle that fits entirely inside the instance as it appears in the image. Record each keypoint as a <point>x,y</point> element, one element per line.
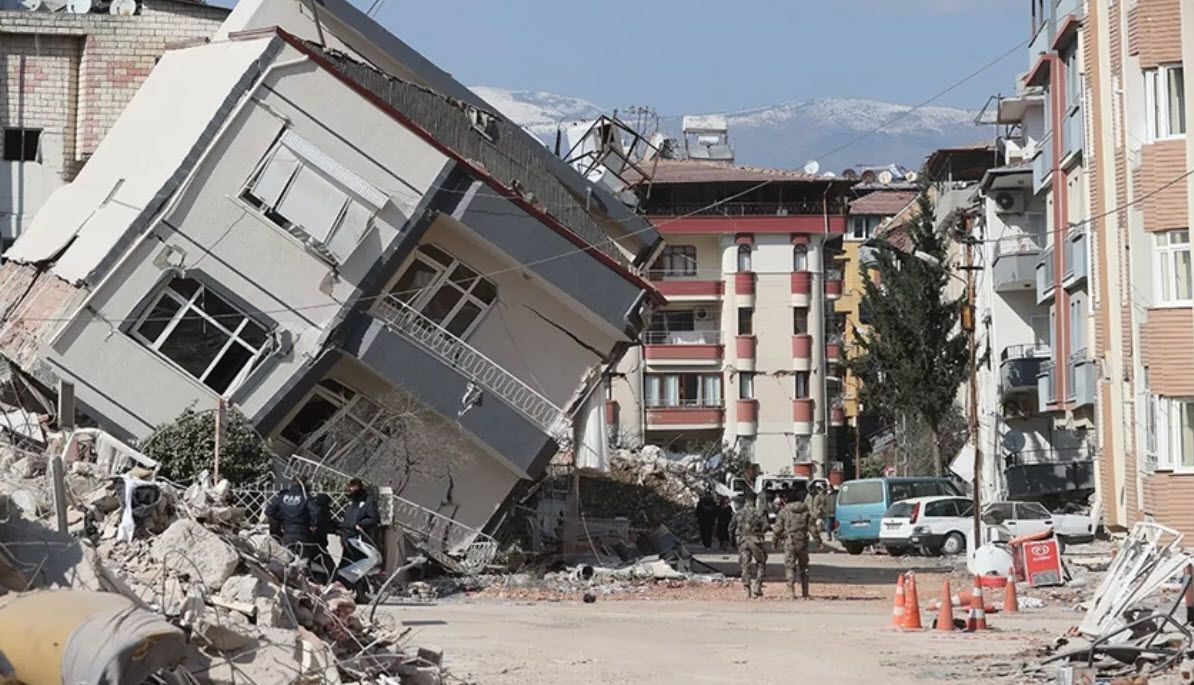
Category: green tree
<point>913,356</point>
<point>186,446</point>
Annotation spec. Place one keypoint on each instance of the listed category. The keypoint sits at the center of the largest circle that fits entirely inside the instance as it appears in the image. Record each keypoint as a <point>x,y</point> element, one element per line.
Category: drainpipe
<point>246,98</point>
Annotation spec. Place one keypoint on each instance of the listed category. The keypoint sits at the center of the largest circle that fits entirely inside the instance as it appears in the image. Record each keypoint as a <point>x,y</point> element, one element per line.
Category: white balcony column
<point>819,440</point>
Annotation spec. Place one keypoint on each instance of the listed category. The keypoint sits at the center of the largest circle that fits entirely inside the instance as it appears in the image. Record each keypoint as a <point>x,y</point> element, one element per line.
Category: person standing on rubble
<point>289,513</point>
<point>361,519</point>
<point>814,504</point>
<point>792,526</point>
<point>706,516</point>
<point>724,513</point>
<point>749,526</point>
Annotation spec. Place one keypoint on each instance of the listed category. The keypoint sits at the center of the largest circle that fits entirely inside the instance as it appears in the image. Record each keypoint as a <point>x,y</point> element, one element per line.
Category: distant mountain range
<point>784,135</point>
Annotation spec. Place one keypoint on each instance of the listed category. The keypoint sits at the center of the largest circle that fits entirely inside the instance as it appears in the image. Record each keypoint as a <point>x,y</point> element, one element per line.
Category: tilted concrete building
<point>308,230</point>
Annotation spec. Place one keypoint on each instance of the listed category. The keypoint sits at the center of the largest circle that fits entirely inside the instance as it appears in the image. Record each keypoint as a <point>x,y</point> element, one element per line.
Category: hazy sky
<point>698,56</point>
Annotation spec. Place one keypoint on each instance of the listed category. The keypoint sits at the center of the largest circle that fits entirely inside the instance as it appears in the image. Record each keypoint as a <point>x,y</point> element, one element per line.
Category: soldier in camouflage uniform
<point>748,527</point>
<point>814,502</point>
<point>792,526</point>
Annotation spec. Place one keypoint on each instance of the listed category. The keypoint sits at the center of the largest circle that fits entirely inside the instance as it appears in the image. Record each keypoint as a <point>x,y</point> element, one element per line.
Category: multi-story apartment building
<point>329,236</point>
<point>741,355</point>
<point>64,78</point>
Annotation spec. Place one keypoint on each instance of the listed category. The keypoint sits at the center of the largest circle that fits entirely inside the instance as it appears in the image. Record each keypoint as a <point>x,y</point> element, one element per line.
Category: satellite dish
<point>812,166</point>
<point>868,176</point>
<point>78,6</point>
<point>885,177</point>
<point>850,174</point>
<point>123,8</point>
<point>31,5</point>
<point>1013,441</point>
<point>828,174</point>
<point>911,176</point>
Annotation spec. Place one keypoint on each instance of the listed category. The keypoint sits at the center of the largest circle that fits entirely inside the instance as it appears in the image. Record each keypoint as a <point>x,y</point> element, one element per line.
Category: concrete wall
<point>71,75</point>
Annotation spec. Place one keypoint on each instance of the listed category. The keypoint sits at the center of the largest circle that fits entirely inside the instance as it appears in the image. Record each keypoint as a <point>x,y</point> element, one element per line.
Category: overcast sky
<point>696,56</point>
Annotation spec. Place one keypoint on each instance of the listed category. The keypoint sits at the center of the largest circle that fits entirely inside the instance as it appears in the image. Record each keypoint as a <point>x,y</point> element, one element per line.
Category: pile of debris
<point>199,595</point>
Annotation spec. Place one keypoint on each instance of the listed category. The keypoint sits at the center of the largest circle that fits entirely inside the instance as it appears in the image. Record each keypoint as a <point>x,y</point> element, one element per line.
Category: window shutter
<point>313,203</point>
<point>335,170</point>
<point>274,176</point>
<point>356,222</point>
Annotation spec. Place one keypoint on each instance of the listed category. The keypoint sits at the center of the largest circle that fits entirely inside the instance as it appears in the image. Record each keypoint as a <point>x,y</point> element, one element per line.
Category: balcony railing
<point>1049,455</point>
<point>1044,275</point>
<point>1035,473</point>
<point>814,207</point>
<point>686,403</point>
<point>1046,388</point>
<point>682,337</point>
<point>1014,264</point>
<point>684,274</point>
<point>1080,379</point>
<point>1075,256</point>
<point>1042,167</point>
<point>1019,368</point>
<point>1074,131</point>
<point>470,363</point>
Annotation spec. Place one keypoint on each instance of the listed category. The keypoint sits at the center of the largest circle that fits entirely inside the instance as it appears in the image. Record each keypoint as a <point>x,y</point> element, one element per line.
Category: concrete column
<point>819,441</point>
<point>729,328</point>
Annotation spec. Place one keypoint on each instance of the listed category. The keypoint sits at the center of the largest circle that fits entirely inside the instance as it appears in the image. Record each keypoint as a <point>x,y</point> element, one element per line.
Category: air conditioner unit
<point>700,314</point>
<point>1009,202</point>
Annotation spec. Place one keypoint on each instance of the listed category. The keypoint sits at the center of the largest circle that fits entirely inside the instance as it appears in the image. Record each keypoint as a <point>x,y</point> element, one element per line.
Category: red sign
<point>1041,560</point>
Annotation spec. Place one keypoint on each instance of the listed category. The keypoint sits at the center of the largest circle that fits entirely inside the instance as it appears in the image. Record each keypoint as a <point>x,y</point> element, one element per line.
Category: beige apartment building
<point>744,353</point>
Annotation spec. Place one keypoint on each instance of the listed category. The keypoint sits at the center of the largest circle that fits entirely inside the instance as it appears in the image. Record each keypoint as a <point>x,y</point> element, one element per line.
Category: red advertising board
<point>1041,561</point>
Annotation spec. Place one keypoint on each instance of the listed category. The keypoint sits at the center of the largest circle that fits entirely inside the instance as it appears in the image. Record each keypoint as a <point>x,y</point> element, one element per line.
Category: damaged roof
<point>883,202</point>
<point>692,171</point>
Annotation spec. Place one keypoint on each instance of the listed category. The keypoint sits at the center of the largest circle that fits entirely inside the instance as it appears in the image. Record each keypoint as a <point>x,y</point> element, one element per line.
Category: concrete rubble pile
<point>1138,624</point>
<point>220,600</point>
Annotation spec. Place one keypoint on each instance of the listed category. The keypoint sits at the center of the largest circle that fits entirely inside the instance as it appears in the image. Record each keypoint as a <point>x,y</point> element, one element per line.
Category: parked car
<point>933,525</point>
<point>1026,518</point>
<point>862,503</point>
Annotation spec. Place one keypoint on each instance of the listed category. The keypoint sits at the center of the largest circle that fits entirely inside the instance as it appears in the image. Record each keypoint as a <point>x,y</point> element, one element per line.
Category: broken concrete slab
<point>246,588</point>
<point>188,548</point>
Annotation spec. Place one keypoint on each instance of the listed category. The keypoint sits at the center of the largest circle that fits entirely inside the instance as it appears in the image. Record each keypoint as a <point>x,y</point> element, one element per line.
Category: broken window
<point>339,426</point>
<point>204,334</point>
<point>445,290</point>
<point>314,198</point>
<point>21,144</point>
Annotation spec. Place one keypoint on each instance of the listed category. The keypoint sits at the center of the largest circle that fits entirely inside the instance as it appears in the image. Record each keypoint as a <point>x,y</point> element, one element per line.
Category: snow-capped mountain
<point>784,135</point>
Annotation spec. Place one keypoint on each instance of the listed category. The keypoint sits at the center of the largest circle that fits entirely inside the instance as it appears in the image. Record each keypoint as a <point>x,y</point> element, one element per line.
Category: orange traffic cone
<point>945,617</point>
<point>978,616</point>
<point>897,611</point>
<point>912,605</point>
<point>1011,605</point>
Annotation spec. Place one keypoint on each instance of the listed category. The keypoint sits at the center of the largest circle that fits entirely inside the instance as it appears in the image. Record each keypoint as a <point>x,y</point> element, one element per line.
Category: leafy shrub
<point>187,445</point>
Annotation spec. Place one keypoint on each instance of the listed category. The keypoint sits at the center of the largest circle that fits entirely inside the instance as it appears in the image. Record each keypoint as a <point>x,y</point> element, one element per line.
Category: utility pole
<point>969,324</point>
<point>857,438</point>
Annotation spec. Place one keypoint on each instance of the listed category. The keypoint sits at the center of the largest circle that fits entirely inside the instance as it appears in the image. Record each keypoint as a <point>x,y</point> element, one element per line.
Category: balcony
<point>1013,267</point>
<point>1046,387</point>
<point>802,416</point>
<point>1042,42</point>
<point>1036,473</point>
<point>833,284</point>
<point>682,347</point>
<point>687,414</point>
<point>1019,369</point>
<point>1080,379</point>
<point>748,417</point>
<point>1042,167</point>
<point>837,414</point>
<point>468,362</point>
<point>1073,132</point>
<point>688,285</point>
<point>744,284</point>
<point>802,352</point>
<point>1044,275</point>
<point>1076,267</point>
<point>802,288</point>
<point>833,349</point>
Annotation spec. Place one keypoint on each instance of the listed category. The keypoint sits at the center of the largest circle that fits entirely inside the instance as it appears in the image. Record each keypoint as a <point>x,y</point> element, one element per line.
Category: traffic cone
<point>978,616</point>
<point>912,605</point>
<point>945,617</point>
<point>1011,605</point>
<point>897,610</point>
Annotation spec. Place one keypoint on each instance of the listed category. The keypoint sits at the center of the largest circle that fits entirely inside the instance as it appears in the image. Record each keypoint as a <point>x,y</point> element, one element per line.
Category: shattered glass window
<point>203,333</point>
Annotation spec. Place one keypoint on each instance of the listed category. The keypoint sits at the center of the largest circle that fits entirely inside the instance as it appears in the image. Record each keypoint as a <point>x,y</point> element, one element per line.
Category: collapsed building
<point>306,219</point>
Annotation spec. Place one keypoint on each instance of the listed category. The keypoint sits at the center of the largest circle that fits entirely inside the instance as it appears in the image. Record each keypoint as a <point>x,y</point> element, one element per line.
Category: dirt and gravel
<point>708,633</point>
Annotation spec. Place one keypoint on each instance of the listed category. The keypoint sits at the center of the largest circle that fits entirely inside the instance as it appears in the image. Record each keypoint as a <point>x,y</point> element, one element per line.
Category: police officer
<point>748,527</point>
<point>792,526</point>
<point>289,514</point>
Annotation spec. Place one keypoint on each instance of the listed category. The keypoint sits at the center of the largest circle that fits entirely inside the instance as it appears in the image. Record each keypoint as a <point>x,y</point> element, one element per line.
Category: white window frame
<point>746,385</point>
<point>188,307</point>
<point>800,258</point>
<point>807,378</point>
<point>1157,105</point>
<point>745,258</point>
<point>358,201</point>
<point>656,390</point>
<point>869,223</point>
<point>1166,256</point>
<point>353,406</point>
<point>1170,441</point>
<point>442,279</point>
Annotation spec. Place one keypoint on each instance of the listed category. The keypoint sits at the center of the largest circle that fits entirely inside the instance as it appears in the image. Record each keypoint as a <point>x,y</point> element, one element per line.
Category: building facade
<point>743,354</point>
<point>323,242</point>
<point>65,78</point>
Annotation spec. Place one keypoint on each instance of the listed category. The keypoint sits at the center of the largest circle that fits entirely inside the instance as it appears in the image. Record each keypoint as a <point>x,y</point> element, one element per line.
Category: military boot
<point>759,588</point>
<point>803,588</point>
<point>749,594</point>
